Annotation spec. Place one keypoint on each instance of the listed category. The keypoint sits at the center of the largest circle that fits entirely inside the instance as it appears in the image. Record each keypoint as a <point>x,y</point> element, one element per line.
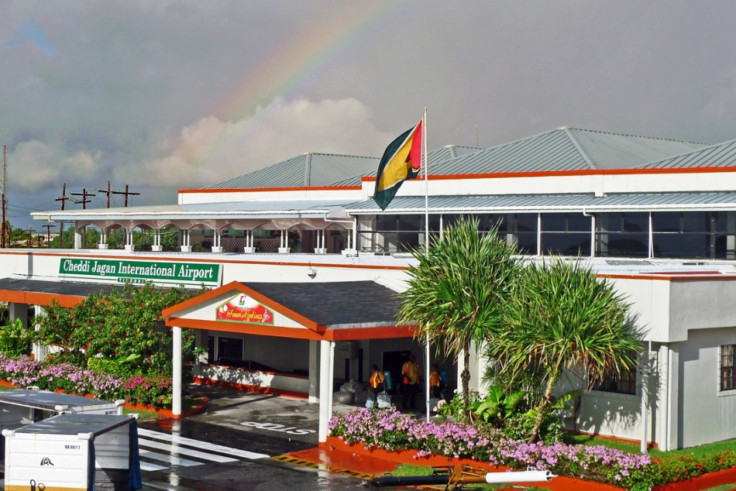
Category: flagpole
<point>426,247</point>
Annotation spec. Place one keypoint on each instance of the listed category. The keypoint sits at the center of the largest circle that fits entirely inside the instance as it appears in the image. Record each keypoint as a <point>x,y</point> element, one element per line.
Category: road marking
<point>179,450</point>
<point>147,466</point>
<point>176,439</point>
<point>168,458</point>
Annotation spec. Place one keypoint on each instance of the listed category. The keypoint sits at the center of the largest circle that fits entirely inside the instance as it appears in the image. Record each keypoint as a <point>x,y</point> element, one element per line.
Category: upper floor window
<point>728,367</point>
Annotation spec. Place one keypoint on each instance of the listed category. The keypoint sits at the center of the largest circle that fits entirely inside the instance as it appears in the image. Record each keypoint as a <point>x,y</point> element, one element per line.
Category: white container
<point>74,452</point>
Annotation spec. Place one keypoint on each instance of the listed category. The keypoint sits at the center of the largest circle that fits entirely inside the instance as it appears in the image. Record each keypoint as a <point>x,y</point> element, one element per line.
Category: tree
<point>118,324</point>
<point>456,290</point>
<point>562,317</point>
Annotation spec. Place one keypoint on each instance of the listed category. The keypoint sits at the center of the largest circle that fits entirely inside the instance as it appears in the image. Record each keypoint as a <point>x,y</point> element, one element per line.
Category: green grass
<point>699,451</point>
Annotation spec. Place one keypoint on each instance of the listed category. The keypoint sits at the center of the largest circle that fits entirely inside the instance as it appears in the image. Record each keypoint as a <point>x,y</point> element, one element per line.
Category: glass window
<point>666,222</point>
<point>623,383</point>
<point>526,222</point>
<point>636,222</point>
<point>577,222</point>
<point>696,222</point>
<point>728,367</point>
<point>566,244</point>
<point>554,222</point>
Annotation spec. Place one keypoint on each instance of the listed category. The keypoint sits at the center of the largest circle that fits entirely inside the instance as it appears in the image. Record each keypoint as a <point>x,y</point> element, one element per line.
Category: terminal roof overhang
<point>336,311</point>
<point>44,293</point>
<point>521,203</point>
<point>238,210</point>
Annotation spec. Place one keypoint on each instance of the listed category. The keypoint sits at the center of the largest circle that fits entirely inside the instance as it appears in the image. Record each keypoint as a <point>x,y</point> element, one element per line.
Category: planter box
<point>710,480</point>
<point>560,483</point>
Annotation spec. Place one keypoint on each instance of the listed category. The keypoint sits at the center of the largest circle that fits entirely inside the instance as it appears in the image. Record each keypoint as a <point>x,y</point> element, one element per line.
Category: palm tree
<point>562,317</point>
<point>455,291</point>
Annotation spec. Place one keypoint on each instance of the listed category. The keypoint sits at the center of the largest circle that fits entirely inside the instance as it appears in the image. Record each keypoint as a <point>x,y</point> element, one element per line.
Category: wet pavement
<point>242,441</point>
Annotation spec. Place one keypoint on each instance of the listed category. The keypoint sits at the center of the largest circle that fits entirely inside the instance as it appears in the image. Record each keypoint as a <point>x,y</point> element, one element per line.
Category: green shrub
<point>15,340</point>
<point>519,426</point>
<point>124,367</point>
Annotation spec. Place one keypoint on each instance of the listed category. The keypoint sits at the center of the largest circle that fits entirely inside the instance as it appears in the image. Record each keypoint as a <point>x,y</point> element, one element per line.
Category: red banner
<point>242,308</point>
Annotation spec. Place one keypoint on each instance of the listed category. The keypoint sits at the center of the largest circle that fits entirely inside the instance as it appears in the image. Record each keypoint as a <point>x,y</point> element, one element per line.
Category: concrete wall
<point>706,413</point>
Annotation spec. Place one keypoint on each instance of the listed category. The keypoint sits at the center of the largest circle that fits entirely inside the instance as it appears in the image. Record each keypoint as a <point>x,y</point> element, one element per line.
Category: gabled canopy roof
<point>331,311</point>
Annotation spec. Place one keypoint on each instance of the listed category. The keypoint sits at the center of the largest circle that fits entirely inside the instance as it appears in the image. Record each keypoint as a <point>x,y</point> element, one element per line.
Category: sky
<point>162,95</point>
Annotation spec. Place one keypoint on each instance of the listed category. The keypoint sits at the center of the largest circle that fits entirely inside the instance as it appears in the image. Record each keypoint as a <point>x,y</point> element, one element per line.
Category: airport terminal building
<point>306,265</point>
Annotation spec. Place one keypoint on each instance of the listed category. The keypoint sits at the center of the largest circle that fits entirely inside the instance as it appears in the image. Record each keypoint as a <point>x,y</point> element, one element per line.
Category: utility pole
<point>84,194</point>
<point>63,199</point>
<point>4,231</point>
<point>48,228</point>
<point>108,192</point>
<point>126,193</point>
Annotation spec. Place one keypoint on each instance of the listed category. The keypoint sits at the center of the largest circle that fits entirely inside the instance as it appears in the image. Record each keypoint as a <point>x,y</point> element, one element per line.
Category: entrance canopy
<point>336,311</point>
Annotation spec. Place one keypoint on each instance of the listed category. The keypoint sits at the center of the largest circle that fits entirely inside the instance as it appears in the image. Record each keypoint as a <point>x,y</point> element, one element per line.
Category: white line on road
<point>245,454</point>
<point>179,450</point>
<point>168,458</point>
<point>147,466</point>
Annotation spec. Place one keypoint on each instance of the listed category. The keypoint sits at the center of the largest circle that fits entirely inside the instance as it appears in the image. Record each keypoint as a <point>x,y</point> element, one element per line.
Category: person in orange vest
<point>435,382</point>
<point>410,378</point>
<point>377,381</point>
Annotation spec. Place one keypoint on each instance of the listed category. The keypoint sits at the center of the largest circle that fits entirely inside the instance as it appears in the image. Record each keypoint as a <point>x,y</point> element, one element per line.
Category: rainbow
<point>295,63</point>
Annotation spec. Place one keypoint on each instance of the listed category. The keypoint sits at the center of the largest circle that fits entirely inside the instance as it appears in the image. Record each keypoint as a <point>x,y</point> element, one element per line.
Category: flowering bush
<point>24,372</point>
<point>390,430</point>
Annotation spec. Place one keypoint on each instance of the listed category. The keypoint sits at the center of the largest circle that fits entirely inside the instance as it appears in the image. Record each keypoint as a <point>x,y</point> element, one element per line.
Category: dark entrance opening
<point>392,363</point>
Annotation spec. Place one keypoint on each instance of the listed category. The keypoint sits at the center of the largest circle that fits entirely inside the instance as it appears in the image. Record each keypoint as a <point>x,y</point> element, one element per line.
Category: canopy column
<point>185,246</point>
<point>217,240</point>
<point>156,247</point>
<point>284,243</point>
<point>320,249</point>
<point>314,373</point>
<point>176,362</point>
<point>129,246</point>
<point>326,375</point>
<point>103,239</point>
<point>249,244</point>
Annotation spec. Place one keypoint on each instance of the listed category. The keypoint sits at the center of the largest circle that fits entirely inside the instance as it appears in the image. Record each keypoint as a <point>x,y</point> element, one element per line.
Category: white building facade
<point>656,217</point>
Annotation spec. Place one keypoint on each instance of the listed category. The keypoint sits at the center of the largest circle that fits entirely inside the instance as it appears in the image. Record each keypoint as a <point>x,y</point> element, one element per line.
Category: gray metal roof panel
<point>565,149</point>
<point>344,304</point>
<point>719,155</point>
<point>312,169</point>
<point>617,151</point>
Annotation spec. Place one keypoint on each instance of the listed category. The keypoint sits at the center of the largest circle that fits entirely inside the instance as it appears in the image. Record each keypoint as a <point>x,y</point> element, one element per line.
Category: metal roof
<point>44,399</point>
<point>720,155</point>
<point>309,169</point>
<point>69,288</point>
<point>73,424</point>
<point>551,202</point>
<point>202,211</point>
<point>565,149</point>
<point>347,304</point>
